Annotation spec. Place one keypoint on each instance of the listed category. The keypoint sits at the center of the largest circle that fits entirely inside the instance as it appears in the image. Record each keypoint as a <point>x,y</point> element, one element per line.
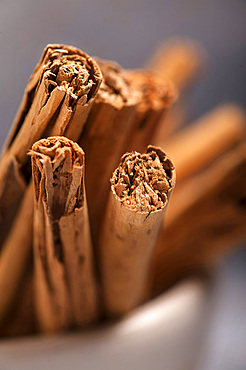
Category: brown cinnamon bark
<point>197,145</point>
<point>65,287</point>
<point>140,189</point>
<point>16,253</point>
<point>211,223</point>
<point>19,319</point>
<point>57,101</point>
<point>106,129</point>
<point>157,95</point>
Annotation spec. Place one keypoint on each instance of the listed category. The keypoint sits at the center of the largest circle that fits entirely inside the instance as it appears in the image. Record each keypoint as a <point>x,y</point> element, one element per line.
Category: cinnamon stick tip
<point>143,182</point>
<point>57,52</point>
<point>157,92</point>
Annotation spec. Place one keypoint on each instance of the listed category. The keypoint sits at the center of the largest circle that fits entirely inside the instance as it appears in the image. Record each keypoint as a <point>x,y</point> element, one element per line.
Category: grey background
<point>128,31</point>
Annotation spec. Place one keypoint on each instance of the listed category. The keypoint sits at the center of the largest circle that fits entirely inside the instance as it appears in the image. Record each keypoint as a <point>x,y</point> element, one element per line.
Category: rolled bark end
<point>142,181</point>
<point>72,69</point>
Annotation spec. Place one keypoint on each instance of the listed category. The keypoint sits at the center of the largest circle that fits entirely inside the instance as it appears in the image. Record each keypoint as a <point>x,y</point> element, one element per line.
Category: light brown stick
<point>211,223</point>
<point>183,62</point>
<point>65,285</point>
<point>197,145</point>
<point>57,100</point>
<point>62,70</point>
<point>140,188</point>
<point>180,60</point>
<point>106,129</point>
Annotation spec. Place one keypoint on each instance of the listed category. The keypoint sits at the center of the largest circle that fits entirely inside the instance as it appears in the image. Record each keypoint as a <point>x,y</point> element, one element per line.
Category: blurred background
<point>128,32</point>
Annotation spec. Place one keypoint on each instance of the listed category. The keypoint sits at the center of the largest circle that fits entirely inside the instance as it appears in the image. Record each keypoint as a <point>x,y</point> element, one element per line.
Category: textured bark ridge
<point>140,189</point>
<point>64,276</point>
<point>142,181</point>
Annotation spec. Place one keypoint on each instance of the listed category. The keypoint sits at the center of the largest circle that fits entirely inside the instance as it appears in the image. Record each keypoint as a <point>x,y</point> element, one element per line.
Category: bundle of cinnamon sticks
<point>86,176</point>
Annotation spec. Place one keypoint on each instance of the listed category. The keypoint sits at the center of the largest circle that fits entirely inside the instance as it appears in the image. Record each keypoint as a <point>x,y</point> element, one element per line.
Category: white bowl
<point>163,334</point>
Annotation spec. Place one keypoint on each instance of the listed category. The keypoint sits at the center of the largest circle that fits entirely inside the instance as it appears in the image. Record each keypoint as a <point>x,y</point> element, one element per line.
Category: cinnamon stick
<point>140,189</point>
<point>19,319</point>
<point>181,60</point>
<point>106,129</point>
<point>57,101</point>
<point>195,147</point>
<point>16,253</point>
<point>65,288</point>
<point>211,223</point>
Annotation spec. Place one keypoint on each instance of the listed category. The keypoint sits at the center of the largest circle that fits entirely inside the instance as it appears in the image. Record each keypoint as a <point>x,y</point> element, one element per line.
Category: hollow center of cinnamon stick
<point>142,181</point>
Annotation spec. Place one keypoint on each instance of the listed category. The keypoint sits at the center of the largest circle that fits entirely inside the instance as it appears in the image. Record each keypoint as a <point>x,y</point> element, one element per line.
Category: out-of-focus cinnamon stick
<point>57,100</point>
<point>20,320</point>
<point>195,149</point>
<point>183,62</point>
<point>140,188</point>
<point>211,222</point>
<point>157,94</point>
<point>16,253</point>
<point>65,288</point>
<point>180,60</point>
<point>197,145</point>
